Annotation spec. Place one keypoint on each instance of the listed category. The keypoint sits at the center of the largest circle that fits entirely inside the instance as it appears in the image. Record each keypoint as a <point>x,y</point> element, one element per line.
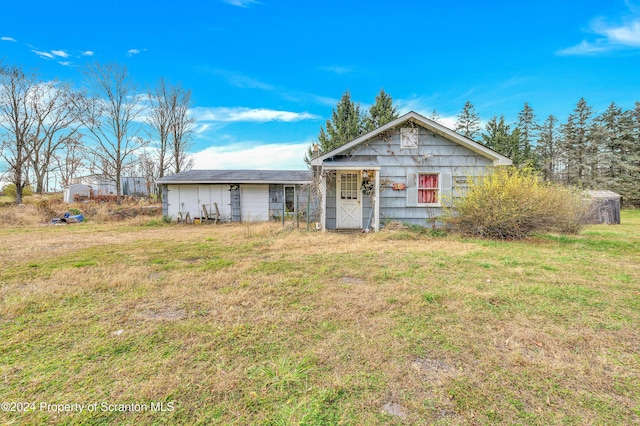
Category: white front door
<point>349,206</point>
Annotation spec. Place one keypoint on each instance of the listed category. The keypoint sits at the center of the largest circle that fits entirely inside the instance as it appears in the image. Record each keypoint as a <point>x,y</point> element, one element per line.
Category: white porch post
<point>376,198</point>
<point>323,200</point>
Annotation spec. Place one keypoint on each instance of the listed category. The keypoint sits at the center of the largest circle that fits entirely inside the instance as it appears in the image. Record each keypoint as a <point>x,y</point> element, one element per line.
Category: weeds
<point>273,327</point>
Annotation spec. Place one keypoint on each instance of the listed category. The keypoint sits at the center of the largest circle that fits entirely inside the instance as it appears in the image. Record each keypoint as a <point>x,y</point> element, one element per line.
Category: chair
<point>210,216</point>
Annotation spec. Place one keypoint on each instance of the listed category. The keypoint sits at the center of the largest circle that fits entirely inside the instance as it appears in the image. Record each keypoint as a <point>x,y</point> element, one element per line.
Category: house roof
<point>238,176</point>
<point>439,129</point>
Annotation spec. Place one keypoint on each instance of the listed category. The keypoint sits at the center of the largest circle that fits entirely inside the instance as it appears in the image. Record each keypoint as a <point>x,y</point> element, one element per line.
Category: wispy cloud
<point>132,52</point>
<point>60,53</point>
<point>242,81</point>
<point>8,39</point>
<point>241,3</point>
<point>42,54</point>
<point>336,69</point>
<point>253,155</point>
<point>609,37</point>
<point>65,63</point>
<point>258,115</point>
<point>88,53</point>
<point>245,82</point>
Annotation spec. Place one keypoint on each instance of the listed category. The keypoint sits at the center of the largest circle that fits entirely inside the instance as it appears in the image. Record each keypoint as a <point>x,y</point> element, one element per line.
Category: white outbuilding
<point>239,195</point>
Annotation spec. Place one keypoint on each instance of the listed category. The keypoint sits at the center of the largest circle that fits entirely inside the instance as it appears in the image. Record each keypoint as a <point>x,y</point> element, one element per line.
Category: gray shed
<point>240,195</point>
<point>605,207</point>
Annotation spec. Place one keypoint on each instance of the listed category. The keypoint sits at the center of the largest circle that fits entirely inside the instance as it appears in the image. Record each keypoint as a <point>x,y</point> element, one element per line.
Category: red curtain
<point>428,189</point>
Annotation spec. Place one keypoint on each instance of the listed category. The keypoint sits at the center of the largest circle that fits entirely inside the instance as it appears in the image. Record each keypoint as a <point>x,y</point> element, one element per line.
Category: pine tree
<point>499,137</point>
<point>381,112</point>
<point>468,122</point>
<point>346,124</point>
<point>547,148</point>
<point>629,187</point>
<point>435,116</point>
<point>609,131</point>
<point>527,127</point>
<point>577,146</point>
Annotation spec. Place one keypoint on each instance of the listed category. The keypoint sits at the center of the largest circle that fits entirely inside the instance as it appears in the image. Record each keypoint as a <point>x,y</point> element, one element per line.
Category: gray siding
<point>434,154</point>
<point>302,204</point>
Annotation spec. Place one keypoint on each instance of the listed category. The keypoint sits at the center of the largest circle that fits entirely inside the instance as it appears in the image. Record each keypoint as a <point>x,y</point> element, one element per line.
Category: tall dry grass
<point>39,210</point>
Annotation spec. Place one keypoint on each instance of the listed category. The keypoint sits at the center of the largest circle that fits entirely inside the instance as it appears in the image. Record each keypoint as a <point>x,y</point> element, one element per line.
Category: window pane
<point>349,186</point>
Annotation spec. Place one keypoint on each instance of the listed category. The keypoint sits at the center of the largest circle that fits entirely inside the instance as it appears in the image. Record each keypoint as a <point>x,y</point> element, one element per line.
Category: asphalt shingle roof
<point>238,176</point>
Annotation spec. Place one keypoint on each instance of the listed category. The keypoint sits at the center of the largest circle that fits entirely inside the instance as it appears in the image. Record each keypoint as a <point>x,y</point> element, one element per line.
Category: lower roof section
<point>238,176</point>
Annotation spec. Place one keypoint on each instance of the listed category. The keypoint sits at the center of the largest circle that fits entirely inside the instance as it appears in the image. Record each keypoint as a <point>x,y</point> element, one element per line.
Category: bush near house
<point>9,190</point>
<point>512,203</point>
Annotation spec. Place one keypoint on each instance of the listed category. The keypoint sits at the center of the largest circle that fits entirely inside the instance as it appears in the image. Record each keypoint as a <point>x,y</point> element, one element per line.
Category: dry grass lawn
<point>253,324</point>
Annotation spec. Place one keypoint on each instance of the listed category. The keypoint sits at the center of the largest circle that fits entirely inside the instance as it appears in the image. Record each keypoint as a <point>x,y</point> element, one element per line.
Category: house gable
<point>409,121</point>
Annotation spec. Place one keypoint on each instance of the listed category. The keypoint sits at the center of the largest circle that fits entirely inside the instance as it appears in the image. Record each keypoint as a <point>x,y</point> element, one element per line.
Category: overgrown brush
<point>511,203</point>
<point>25,214</point>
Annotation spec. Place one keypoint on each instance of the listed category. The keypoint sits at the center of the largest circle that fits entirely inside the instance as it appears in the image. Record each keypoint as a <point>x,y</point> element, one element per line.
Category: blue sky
<point>266,74</point>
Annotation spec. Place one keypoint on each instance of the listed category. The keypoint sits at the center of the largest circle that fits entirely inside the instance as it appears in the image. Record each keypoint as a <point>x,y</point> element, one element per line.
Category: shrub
<point>10,190</point>
<point>511,203</point>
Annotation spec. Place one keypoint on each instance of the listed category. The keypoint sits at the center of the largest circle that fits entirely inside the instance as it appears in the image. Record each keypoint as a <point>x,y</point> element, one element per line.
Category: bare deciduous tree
<point>148,168</point>
<point>171,127</point>
<point>181,128</point>
<point>18,122</point>
<point>69,159</point>
<point>160,121</point>
<point>56,120</point>
<point>109,114</point>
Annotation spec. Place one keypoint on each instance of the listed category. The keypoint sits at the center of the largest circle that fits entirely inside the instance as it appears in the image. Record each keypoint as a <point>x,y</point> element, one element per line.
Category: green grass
<point>244,324</point>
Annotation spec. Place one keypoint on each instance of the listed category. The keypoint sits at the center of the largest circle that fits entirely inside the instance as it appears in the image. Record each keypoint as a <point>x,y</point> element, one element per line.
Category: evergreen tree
<point>609,131</point>
<point>468,122</point>
<point>381,112</point>
<point>435,116</point>
<point>346,124</point>
<point>547,148</point>
<point>629,187</point>
<point>499,137</point>
<point>577,146</point>
<point>527,127</point>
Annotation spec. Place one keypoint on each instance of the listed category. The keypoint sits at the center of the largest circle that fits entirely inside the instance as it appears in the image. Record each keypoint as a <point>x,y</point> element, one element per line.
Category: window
<point>349,186</point>
<point>428,187</point>
<point>289,199</point>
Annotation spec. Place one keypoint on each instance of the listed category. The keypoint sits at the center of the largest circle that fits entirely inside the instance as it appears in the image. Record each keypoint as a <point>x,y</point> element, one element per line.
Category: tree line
<point>588,150</point>
<point>107,127</point>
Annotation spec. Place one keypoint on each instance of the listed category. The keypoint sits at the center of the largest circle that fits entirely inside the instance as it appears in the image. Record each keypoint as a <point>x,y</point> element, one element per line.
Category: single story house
<point>406,170</point>
<point>240,195</point>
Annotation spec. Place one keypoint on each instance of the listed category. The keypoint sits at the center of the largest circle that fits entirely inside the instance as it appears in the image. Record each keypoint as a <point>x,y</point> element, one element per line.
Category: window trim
<point>438,189</point>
